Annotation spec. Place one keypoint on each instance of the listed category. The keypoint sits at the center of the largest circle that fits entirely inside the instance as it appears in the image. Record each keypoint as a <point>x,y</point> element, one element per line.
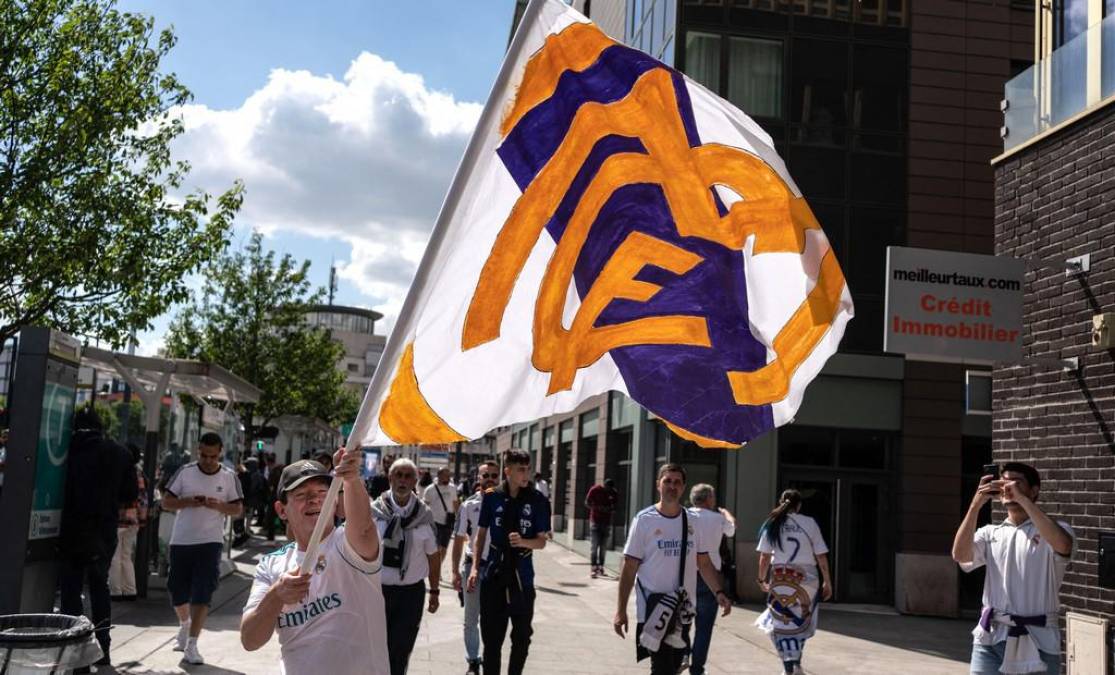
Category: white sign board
<point>947,306</point>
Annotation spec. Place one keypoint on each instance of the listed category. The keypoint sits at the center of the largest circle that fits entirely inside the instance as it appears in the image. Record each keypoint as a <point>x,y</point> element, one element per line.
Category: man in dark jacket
<point>100,477</point>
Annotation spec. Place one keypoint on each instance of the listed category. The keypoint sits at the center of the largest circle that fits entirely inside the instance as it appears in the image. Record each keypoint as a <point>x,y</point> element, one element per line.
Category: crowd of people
<point>379,565</point>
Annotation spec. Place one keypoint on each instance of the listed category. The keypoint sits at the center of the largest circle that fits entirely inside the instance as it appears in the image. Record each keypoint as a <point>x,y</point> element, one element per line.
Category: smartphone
<point>991,470</point>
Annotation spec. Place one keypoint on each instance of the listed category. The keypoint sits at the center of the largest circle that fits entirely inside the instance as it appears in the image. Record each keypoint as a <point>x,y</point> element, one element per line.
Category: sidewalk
<point>572,633</point>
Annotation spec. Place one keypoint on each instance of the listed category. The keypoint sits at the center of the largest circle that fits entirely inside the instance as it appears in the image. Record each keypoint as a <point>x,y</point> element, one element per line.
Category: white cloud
<point>365,160</point>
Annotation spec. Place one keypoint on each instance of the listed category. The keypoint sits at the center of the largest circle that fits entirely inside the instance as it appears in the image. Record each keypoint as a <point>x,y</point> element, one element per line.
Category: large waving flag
<point>613,226</point>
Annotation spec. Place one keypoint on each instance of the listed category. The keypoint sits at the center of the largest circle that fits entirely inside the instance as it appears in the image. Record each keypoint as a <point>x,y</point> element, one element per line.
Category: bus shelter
<point>151,378</point>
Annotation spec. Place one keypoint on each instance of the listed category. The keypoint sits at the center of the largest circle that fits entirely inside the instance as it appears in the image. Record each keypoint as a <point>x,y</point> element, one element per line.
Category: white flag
<point>613,226</point>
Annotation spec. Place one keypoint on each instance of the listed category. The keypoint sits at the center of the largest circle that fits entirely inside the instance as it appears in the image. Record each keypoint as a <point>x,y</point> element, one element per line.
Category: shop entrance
<point>850,504</point>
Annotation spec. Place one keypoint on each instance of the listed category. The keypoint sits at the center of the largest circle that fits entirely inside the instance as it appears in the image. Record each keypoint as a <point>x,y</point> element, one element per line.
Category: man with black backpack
<point>514,520</point>
<point>662,557</point>
<point>100,477</point>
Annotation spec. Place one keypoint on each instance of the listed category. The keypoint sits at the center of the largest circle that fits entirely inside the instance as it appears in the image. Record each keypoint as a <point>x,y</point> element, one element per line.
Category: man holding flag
<point>331,619</point>
<point>612,226</point>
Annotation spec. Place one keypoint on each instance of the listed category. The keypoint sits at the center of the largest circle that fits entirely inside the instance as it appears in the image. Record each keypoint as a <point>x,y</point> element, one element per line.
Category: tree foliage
<point>250,318</point>
<point>96,237</point>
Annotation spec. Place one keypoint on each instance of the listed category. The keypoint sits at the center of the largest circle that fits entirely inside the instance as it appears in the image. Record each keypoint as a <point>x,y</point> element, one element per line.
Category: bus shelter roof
<point>203,380</point>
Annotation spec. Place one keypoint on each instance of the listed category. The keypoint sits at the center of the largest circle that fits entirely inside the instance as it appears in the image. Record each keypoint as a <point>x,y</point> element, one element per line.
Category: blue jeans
<point>986,659</point>
<point>702,633</point>
<point>472,616</point>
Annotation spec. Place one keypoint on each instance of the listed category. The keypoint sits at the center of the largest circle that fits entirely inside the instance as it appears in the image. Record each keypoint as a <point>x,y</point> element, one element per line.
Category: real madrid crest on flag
<point>613,226</point>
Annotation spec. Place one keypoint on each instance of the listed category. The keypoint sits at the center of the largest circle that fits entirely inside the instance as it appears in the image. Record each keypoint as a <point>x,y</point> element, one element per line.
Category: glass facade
<point>832,93</point>
<point>650,27</point>
<point>353,323</point>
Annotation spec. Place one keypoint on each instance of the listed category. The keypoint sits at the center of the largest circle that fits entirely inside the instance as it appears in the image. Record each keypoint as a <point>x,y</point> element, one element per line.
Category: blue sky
<point>345,119</point>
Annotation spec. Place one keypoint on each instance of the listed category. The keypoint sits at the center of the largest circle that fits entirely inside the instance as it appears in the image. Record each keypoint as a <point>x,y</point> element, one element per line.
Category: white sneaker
<point>192,655</point>
<point>183,637</point>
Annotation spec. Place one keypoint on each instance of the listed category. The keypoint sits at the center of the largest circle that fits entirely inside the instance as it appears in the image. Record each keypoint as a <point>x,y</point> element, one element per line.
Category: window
<point>702,59</point>
<point>353,367</point>
<point>879,92</point>
<point>819,88</point>
<point>1070,19</point>
<point>755,76</point>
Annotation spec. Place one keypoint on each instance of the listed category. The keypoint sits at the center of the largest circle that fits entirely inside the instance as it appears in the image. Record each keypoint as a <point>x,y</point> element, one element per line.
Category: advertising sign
<point>947,306</point>
<point>50,467</point>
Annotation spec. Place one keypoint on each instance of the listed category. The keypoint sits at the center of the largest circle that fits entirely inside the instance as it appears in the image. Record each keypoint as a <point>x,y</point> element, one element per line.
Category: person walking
<point>468,523</point>
<point>1025,556</point>
<point>203,493</point>
<point>601,501</point>
<point>331,620</point>
<point>791,552</point>
<point>406,531</point>
<point>442,499</point>
<point>662,558</point>
<point>133,515</point>
<point>272,473</point>
<point>712,525</point>
<point>100,478</point>
<point>542,485</point>
<point>514,519</point>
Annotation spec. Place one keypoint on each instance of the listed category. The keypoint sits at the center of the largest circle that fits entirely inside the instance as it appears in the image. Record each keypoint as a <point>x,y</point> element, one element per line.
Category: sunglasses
<point>489,475</point>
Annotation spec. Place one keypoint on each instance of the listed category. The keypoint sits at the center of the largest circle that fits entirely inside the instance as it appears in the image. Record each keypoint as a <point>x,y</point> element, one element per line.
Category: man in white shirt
<point>712,525</point>
<point>1026,556</point>
<point>331,620</point>
<point>653,557</point>
<point>441,497</point>
<point>203,493</point>
<point>542,485</point>
<point>468,519</point>
<point>410,557</point>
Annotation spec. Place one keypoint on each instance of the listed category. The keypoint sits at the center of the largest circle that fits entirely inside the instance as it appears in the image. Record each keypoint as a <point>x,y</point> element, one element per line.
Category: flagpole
<point>404,324</point>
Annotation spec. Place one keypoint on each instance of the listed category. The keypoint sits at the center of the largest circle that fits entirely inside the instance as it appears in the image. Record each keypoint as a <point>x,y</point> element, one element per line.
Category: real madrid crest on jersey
<point>526,510</point>
<point>789,600</point>
<point>320,566</point>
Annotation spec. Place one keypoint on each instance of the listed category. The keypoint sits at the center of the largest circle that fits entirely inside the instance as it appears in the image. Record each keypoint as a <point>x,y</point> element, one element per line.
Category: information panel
<point>948,306</point>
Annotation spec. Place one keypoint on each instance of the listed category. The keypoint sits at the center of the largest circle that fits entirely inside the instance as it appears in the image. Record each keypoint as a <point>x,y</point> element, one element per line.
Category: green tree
<point>250,318</point>
<point>96,235</point>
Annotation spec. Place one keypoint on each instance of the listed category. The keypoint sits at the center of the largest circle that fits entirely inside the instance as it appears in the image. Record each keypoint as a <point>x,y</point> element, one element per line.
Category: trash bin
<point>46,643</point>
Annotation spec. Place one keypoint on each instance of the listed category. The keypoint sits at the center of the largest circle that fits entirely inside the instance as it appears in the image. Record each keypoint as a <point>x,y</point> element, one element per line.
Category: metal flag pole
<point>488,120</point>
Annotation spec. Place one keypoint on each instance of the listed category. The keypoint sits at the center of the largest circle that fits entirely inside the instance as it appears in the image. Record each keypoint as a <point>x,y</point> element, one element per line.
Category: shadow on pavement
<point>946,638</point>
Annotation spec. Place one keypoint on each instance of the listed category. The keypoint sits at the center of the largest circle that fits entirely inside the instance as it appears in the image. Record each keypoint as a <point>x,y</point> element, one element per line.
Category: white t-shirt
<point>468,519</point>
<point>655,541</point>
<point>802,542</point>
<point>1024,576</point>
<point>448,493</point>
<point>711,527</point>
<point>201,525</point>
<point>340,627</point>
<point>420,543</point>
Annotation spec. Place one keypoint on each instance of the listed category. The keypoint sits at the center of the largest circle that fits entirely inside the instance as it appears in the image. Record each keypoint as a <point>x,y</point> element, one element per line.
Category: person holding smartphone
<point>1025,556</point>
<point>203,493</point>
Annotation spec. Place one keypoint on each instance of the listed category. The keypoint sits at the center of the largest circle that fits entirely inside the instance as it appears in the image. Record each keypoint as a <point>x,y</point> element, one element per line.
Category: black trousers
<point>72,575</point>
<point>666,661</point>
<point>494,617</point>
<point>403,608</point>
<point>598,535</point>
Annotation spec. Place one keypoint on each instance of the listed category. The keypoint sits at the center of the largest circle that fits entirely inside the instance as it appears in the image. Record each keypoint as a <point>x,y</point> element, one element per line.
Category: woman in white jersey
<point>791,550</point>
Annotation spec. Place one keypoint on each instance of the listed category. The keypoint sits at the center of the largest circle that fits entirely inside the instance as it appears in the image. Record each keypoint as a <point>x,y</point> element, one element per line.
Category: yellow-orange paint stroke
<point>650,113</point>
<point>703,441</point>
<point>406,416</point>
<point>795,342</point>
<point>563,352</point>
<point>575,48</point>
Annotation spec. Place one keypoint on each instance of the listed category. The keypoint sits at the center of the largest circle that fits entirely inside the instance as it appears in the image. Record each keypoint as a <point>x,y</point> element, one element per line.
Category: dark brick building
<point>1055,200</point>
